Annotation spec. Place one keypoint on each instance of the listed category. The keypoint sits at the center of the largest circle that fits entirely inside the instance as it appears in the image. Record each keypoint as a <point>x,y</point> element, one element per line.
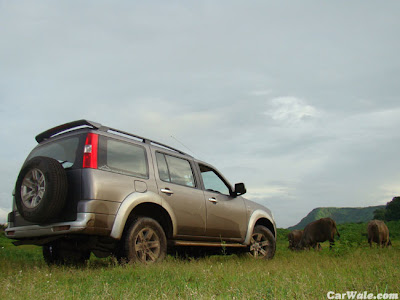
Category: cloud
<point>259,93</point>
<point>269,191</point>
<point>3,216</point>
<point>290,110</point>
<point>297,108</point>
<point>388,191</point>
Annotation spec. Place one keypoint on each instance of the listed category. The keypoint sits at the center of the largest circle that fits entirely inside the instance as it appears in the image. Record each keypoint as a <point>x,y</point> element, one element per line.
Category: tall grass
<point>290,275</point>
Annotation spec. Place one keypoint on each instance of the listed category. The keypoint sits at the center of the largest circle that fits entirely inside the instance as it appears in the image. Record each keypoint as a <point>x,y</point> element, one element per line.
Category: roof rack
<point>97,126</point>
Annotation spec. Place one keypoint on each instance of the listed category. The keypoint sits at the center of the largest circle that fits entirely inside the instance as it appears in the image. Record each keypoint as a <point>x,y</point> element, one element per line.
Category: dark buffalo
<point>378,233</point>
<point>294,238</point>
<point>318,232</point>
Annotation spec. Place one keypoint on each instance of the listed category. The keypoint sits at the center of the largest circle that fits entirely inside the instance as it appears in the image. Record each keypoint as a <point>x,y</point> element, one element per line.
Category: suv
<point>89,188</point>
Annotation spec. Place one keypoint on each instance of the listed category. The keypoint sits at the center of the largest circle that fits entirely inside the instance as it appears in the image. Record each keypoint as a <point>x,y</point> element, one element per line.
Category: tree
<point>393,210</point>
<point>380,214</point>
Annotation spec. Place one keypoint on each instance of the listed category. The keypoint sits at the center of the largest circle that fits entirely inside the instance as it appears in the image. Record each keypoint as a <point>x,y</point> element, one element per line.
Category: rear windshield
<point>63,150</point>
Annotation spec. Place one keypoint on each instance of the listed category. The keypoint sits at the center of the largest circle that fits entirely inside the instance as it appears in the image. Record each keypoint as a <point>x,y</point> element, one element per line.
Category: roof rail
<point>85,123</point>
<point>144,140</point>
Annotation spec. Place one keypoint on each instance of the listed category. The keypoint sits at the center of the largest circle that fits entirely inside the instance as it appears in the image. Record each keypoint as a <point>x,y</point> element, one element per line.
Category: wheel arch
<point>147,204</point>
<point>267,223</point>
<point>259,217</point>
<point>154,211</point>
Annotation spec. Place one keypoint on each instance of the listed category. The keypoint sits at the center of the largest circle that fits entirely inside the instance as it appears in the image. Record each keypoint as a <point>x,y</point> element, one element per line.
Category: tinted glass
<point>212,182</point>
<point>175,170</point>
<point>62,150</point>
<point>124,158</point>
<point>162,167</point>
<point>180,171</point>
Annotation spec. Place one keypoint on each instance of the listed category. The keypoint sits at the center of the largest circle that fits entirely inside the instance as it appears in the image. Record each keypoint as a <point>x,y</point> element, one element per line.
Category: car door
<point>226,215</point>
<point>178,187</point>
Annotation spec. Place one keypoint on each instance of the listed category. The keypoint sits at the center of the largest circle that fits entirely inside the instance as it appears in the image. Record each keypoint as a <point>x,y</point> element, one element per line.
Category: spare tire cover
<point>41,189</point>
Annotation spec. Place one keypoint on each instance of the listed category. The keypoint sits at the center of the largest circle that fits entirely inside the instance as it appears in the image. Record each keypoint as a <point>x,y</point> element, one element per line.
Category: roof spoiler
<point>85,123</point>
<point>67,126</point>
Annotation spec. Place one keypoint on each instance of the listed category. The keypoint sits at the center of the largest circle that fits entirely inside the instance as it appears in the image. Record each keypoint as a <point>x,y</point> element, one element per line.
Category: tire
<point>145,242</point>
<point>41,189</point>
<point>262,243</point>
<point>53,254</point>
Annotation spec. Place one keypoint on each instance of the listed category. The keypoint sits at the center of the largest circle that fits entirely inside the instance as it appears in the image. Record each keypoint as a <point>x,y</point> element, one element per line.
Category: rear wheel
<point>145,241</point>
<point>262,243</point>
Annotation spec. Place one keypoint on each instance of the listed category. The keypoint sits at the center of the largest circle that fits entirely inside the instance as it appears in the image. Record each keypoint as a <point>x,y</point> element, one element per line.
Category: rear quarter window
<point>122,157</point>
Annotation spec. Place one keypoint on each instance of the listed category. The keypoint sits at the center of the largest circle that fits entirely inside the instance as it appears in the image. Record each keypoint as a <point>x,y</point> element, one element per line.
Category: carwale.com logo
<point>361,295</point>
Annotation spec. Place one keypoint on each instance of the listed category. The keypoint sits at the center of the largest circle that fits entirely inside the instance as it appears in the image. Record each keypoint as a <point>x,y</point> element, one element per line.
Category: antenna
<point>184,145</point>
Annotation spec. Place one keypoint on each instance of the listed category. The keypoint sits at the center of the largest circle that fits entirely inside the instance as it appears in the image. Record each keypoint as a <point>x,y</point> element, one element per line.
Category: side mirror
<point>240,189</point>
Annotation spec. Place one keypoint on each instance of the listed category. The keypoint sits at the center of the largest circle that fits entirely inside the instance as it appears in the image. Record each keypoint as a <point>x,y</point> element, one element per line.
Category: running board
<point>207,244</point>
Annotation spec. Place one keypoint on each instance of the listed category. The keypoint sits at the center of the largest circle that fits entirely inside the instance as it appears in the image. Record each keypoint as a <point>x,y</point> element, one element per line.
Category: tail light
<point>90,151</point>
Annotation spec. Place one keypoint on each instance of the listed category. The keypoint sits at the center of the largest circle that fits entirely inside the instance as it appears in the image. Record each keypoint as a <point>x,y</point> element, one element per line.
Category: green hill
<point>339,214</point>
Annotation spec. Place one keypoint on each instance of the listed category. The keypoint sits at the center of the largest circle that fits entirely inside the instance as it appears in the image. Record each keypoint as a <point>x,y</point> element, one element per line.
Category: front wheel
<point>262,243</point>
<point>145,241</point>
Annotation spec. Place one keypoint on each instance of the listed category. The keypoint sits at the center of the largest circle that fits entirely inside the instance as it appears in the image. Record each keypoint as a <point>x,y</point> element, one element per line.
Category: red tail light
<point>90,151</point>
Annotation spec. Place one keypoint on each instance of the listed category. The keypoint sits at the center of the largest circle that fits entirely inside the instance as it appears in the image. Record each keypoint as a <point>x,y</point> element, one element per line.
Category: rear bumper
<point>85,223</point>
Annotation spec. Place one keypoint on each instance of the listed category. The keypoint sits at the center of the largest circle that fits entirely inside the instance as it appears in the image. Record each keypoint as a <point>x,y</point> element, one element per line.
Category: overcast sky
<point>297,99</point>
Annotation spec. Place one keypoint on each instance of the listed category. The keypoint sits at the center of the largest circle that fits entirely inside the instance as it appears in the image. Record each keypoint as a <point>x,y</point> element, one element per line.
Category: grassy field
<point>351,266</point>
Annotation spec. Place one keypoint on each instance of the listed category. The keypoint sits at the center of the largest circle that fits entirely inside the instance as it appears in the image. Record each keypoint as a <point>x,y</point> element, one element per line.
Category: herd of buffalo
<point>325,230</point>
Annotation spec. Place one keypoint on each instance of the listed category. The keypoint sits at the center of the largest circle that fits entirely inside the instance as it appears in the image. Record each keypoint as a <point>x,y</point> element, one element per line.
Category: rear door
<point>177,185</point>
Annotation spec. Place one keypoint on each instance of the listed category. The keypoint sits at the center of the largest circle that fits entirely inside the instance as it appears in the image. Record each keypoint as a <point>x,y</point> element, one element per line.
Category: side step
<point>206,244</point>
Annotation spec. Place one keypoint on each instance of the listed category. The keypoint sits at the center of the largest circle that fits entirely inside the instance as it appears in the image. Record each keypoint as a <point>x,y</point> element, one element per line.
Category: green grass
<point>290,275</point>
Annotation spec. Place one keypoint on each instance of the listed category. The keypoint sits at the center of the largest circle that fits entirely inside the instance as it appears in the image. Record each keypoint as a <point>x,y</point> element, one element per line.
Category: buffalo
<point>294,238</point>
<point>318,232</point>
<point>378,233</point>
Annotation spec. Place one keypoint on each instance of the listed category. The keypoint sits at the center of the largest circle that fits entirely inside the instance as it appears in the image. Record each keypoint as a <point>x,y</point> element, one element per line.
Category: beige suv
<point>86,188</point>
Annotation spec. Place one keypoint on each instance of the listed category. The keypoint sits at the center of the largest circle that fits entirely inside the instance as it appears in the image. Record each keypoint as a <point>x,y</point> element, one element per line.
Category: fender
<point>255,216</point>
<point>133,200</point>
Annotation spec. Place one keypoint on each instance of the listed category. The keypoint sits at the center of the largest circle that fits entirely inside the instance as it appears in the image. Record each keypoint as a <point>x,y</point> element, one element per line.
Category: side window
<point>175,170</point>
<point>162,167</point>
<point>121,157</point>
<point>212,182</point>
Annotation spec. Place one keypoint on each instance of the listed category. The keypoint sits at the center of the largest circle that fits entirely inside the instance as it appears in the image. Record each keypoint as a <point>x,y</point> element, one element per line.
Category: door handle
<point>167,191</point>
<point>213,200</point>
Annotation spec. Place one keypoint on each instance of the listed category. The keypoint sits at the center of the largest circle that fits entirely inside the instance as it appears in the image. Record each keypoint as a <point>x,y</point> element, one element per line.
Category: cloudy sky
<point>298,99</point>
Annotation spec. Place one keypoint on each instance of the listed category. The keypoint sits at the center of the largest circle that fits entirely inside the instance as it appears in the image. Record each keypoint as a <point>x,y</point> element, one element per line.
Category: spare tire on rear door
<point>41,189</point>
